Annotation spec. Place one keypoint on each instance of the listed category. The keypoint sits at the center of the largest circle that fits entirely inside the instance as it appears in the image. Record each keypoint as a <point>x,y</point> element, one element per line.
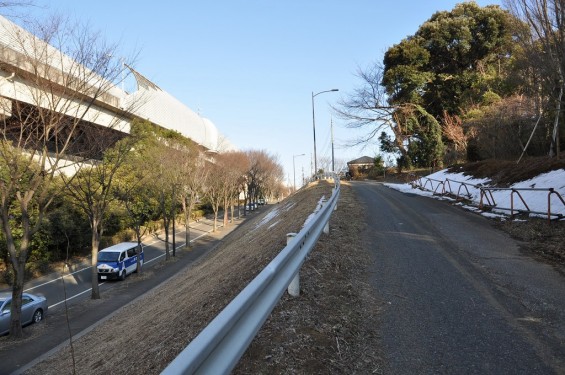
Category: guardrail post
<point>333,192</point>
<point>294,286</point>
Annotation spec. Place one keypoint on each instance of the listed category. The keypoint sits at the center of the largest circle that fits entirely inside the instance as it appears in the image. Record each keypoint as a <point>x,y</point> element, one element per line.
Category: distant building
<point>361,165</point>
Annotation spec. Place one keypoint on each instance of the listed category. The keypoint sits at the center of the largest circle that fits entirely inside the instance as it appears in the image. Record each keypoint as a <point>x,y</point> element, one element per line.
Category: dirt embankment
<point>325,330</point>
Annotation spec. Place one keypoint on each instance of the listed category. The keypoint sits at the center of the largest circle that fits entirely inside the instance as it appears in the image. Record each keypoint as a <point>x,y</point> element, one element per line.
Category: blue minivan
<point>118,261</point>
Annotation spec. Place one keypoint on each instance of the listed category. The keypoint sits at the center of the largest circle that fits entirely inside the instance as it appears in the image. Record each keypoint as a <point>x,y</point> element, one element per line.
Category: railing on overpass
<point>220,345</point>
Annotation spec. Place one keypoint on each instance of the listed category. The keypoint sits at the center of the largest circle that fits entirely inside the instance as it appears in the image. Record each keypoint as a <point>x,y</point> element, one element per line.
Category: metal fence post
<point>294,286</point>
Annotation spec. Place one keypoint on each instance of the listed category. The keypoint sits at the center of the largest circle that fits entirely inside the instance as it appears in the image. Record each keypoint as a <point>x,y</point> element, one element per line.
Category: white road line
<point>88,290</point>
<point>70,298</point>
<point>57,279</point>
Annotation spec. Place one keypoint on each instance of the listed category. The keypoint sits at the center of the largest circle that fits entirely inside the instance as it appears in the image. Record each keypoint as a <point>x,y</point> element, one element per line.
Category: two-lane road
<point>458,296</point>
<point>80,313</point>
<point>76,284</point>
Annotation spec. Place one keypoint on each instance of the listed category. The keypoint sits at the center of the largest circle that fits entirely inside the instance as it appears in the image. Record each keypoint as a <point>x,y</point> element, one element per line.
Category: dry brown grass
<point>331,328</point>
<point>328,316</point>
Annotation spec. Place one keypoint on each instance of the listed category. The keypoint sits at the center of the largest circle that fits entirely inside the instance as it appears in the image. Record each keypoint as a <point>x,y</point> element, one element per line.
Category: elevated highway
<point>38,79</point>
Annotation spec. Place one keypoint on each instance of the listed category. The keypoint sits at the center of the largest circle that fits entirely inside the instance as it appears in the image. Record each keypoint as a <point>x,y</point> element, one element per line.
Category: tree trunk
<point>186,212</point>
<point>226,212</point>
<point>165,225</point>
<point>16,307</point>
<point>174,234</point>
<point>232,209</point>
<point>215,219</point>
<point>167,250</point>
<point>95,294</point>
<point>18,267</point>
<point>138,259</point>
<point>554,148</point>
<point>137,229</point>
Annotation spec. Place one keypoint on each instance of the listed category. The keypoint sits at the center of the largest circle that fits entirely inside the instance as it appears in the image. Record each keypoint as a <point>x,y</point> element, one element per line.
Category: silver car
<point>34,309</point>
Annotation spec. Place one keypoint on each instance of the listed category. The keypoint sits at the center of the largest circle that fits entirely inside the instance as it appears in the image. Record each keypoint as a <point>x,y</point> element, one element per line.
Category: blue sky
<point>251,66</point>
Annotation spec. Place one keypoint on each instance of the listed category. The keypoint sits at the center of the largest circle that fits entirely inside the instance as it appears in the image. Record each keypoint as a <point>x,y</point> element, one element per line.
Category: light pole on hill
<point>314,127</point>
<point>294,170</point>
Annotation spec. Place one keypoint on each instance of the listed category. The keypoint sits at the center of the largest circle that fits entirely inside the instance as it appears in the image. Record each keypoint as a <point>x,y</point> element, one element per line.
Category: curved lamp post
<point>294,170</point>
<point>314,127</point>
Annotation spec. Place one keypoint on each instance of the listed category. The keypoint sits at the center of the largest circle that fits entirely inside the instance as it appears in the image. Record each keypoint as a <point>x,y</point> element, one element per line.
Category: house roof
<point>362,160</point>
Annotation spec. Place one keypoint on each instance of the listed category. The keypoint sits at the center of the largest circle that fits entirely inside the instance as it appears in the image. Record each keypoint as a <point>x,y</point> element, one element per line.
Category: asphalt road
<point>84,314</point>
<point>76,283</point>
<point>458,295</point>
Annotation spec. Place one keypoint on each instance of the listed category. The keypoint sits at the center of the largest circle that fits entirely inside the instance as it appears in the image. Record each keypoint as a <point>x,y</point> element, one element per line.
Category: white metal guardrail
<point>220,345</point>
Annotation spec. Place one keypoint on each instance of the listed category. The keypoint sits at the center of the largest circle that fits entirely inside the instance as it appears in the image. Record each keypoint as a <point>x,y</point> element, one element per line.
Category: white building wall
<point>148,102</point>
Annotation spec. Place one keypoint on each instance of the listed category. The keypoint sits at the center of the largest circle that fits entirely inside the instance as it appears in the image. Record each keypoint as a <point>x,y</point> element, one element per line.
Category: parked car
<point>251,206</point>
<point>34,309</point>
<point>118,261</point>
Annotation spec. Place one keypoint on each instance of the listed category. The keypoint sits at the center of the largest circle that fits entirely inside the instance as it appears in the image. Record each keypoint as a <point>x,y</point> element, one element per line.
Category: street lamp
<point>332,134</point>
<point>314,127</point>
<point>294,170</point>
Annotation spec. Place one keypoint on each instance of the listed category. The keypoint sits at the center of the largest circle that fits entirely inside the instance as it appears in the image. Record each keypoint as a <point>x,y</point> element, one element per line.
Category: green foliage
<point>426,147</point>
<point>387,143</point>
<point>197,214</point>
<point>456,61</point>
<point>39,260</point>
<point>378,167</point>
<point>146,133</point>
<point>423,147</point>
<point>68,229</point>
<point>490,98</point>
<point>405,76</point>
<point>452,60</point>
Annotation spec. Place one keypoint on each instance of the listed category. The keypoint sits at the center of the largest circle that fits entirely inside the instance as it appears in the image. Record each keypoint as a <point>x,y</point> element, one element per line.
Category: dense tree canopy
<point>452,61</point>
<point>463,68</point>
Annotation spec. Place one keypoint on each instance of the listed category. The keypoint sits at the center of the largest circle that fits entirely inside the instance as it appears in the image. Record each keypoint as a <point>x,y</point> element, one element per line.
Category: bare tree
<point>166,184</point>
<point>215,189</point>
<point>133,193</point>
<point>193,175</point>
<point>367,108</point>
<point>545,42</point>
<point>48,114</point>
<point>16,9</point>
<point>92,190</point>
<point>234,165</point>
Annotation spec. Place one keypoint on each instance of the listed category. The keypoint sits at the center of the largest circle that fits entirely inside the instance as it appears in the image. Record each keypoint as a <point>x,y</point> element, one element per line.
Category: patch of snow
<point>311,216</point>
<point>469,187</point>
<point>272,214</point>
<point>289,206</point>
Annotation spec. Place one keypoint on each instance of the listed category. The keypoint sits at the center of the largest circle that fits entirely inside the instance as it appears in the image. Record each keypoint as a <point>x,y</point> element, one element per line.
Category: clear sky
<point>251,66</point>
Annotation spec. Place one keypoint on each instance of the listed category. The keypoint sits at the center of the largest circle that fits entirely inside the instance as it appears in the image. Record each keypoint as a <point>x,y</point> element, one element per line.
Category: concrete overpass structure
<point>36,75</point>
